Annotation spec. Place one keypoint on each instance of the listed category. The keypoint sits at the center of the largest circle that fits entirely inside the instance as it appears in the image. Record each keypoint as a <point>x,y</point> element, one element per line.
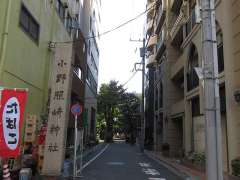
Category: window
<point>91,81</point>
<point>60,9</point>
<point>156,98</point>
<point>69,23</point>
<point>78,72</point>
<point>192,78</point>
<point>161,95</point>
<point>90,23</point>
<point>220,49</point>
<point>89,46</point>
<point>29,24</point>
<point>195,106</point>
<point>95,42</point>
<point>222,93</point>
<point>94,64</point>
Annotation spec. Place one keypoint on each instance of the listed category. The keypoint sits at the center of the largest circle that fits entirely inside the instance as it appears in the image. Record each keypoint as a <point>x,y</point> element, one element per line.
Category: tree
<point>130,110</point>
<point>109,97</point>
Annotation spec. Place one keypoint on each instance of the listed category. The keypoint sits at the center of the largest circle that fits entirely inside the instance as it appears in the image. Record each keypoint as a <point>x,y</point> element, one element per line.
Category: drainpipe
<point>4,39</point>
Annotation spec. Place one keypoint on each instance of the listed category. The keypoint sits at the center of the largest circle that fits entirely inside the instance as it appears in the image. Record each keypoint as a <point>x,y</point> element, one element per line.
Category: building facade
<point>93,20</point>
<point>35,35</point>
<point>175,53</point>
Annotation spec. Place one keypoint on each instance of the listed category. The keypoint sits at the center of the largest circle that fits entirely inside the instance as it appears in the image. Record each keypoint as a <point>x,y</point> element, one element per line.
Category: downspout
<point>4,39</point>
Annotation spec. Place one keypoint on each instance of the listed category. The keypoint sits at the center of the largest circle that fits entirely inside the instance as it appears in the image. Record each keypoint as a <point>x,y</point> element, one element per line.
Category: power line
<point>117,27</point>
<point>130,78</point>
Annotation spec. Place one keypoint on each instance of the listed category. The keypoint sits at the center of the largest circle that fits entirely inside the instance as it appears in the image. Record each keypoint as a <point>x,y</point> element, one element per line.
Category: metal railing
<point>176,25</point>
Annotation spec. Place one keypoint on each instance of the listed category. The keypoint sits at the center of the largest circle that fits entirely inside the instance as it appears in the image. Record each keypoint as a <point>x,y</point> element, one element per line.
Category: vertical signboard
<point>59,110</point>
<point>11,117</point>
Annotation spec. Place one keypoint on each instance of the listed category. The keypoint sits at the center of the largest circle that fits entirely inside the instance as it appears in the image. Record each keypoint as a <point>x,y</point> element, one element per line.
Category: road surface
<point>121,161</point>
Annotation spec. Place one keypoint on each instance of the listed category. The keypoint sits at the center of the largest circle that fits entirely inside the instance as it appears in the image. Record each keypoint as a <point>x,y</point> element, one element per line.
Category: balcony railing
<point>152,41</point>
<point>160,18</point>
<point>177,25</point>
<point>160,46</point>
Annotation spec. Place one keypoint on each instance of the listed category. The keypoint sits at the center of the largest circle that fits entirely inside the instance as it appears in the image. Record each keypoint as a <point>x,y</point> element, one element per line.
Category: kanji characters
<point>11,123</point>
<point>12,108</point>
<point>61,78</point>
<point>58,95</point>
<point>14,139</point>
<point>52,147</point>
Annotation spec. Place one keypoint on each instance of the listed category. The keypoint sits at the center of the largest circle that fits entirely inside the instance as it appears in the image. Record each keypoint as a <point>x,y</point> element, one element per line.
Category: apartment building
<point>92,15</point>
<point>175,52</point>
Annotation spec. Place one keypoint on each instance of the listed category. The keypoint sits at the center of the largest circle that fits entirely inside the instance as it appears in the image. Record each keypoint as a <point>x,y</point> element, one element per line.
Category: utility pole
<point>211,92</point>
<point>143,93</point>
<point>142,54</point>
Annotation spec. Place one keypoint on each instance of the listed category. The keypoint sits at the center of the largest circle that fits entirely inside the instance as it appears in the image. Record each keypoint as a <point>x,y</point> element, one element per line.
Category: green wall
<point>27,64</point>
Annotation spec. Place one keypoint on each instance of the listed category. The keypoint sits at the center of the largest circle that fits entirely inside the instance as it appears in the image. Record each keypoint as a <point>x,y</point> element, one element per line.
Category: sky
<point>117,53</point>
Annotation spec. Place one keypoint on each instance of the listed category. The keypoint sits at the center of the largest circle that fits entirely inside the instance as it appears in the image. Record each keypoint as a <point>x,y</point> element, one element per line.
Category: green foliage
<point>100,126</point>
<point>109,97</point>
<point>199,158</point>
<point>130,110</point>
<point>118,109</point>
<point>236,166</point>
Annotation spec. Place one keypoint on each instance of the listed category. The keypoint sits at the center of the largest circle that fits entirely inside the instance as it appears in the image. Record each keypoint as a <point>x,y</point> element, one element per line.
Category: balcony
<point>152,42</point>
<point>149,27</point>
<point>176,32</point>
<point>160,18</point>
<point>150,9</point>
<point>177,68</point>
<point>160,47</point>
<point>178,108</point>
<point>193,20</point>
<point>176,5</point>
<point>151,61</point>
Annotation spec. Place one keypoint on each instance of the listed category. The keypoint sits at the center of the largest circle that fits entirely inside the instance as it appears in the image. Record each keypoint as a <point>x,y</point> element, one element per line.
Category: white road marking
<point>152,172</point>
<point>156,179</point>
<point>94,158</point>
<point>144,164</point>
<point>116,163</point>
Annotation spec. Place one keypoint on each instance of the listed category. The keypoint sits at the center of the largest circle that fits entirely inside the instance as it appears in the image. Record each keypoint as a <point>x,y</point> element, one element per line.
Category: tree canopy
<point>117,110</point>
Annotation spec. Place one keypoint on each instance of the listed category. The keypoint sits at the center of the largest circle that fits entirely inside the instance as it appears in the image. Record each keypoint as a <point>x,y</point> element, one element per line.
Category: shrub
<point>199,158</point>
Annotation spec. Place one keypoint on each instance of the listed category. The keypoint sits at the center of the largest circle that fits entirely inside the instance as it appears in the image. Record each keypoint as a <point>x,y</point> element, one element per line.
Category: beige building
<point>175,51</point>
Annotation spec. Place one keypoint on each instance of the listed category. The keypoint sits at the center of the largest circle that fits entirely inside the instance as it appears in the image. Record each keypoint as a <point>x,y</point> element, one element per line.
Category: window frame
<point>31,22</point>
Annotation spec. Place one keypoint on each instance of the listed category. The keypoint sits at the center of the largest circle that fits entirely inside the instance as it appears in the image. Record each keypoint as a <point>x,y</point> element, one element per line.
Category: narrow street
<point>121,161</point>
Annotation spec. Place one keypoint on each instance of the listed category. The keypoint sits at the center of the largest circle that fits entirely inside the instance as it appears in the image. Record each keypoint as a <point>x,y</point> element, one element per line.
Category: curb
<point>167,165</point>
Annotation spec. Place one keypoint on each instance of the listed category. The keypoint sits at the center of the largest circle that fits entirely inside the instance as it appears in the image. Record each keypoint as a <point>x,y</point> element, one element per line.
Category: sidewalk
<point>87,155</point>
<point>186,172</point>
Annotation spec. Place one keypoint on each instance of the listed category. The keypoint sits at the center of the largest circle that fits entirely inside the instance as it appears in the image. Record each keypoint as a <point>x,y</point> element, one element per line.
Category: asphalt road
<point>121,161</point>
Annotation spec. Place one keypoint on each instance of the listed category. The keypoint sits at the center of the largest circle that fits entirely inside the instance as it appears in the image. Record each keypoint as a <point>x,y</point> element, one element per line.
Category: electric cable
<point>117,27</point>
<point>130,78</point>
